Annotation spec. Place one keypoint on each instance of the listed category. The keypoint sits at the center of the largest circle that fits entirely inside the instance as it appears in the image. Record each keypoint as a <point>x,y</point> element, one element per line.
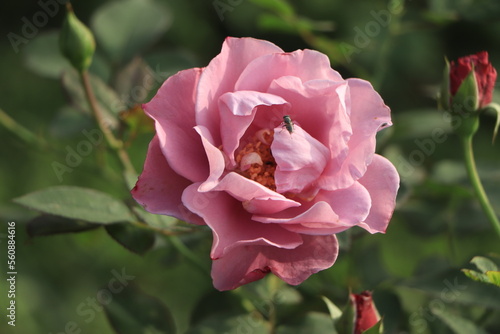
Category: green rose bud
<point>76,41</point>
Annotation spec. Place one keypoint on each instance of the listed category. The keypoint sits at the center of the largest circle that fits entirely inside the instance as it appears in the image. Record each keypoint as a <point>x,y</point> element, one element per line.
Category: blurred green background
<point>398,46</point>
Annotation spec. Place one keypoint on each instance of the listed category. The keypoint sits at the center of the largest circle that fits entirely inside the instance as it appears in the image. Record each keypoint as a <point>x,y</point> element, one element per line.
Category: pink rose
<point>273,199</point>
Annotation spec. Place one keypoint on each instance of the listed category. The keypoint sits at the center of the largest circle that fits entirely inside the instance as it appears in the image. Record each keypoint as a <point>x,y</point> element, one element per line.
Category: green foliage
<point>67,254</point>
<point>124,28</point>
<point>134,312</point>
<point>77,203</point>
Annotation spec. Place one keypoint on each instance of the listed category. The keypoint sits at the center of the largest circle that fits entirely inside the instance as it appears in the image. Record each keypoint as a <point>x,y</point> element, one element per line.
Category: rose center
<point>255,160</point>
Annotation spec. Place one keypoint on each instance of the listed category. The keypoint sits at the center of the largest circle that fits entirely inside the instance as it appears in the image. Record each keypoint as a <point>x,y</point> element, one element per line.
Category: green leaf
<point>375,329</point>
<point>489,271</point>
<point>494,108</point>
<point>135,239</point>
<point>444,94</point>
<point>484,264</point>
<point>345,324</point>
<point>494,277</point>
<point>451,286</point>
<point>458,324</point>
<point>134,312</point>
<point>311,323</point>
<point>232,324</point>
<point>43,57</point>
<point>281,7</point>
<point>77,203</point>
<point>125,28</point>
<point>335,312</point>
<point>70,121</point>
<point>49,225</point>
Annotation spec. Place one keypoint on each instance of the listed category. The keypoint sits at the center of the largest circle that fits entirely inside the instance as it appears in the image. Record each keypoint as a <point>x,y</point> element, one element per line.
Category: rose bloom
<point>366,313</point>
<point>273,193</point>
<point>484,73</point>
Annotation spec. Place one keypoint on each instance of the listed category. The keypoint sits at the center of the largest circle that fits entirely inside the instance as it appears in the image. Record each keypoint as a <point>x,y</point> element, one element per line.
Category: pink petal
<point>382,182</point>
<point>231,225</point>
<point>215,158</point>
<point>321,107</point>
<point>237,112</point>
<point>368,115</point>
<point>304,64</point>
<point>221,75</point>
<point>331,212</point>
<point>245,264</point>
<point>159,188</point>
<point>173,110</point>
<point>300,159</point>
<point>255,197</point>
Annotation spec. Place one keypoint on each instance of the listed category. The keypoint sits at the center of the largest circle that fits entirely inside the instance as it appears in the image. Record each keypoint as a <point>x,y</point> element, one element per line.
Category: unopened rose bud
<point>366,313</point>
<point>484,77</point>
<point>76,41</point>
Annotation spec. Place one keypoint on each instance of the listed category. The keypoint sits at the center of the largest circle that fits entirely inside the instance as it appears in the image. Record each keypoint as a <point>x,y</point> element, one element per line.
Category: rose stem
<point>20,131</point>
<point>470,165</point>
<point>113,142</point>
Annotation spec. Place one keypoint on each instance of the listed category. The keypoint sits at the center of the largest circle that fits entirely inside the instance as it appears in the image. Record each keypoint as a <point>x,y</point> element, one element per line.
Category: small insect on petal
<point>288,124</point>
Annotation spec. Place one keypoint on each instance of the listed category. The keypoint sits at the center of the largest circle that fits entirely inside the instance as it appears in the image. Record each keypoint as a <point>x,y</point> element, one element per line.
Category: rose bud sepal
<point>444,94</point>
<point>465,104</point>
<point>76,41</point>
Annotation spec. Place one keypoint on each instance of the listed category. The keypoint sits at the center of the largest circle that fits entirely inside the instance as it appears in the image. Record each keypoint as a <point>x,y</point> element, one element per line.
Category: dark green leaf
<point>232,324</point>
<point>281,7</point>
<point>49,225</point>
<point>458,324</point>
<point>135,239</point>
<point>43,57</point>
<point>345,324</point>
<point>134,312</point>
<point>125,28</point>
<point>311,323</point>
<point>77,203</point>
<point>376,329</point>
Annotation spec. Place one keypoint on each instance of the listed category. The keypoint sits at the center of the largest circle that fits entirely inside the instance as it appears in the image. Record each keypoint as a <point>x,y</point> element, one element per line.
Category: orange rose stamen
<point>263,166</point>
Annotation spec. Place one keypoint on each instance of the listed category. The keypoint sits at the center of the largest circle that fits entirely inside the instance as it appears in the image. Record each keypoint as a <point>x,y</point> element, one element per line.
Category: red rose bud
<point>485,76</point>
<point>366,313</point>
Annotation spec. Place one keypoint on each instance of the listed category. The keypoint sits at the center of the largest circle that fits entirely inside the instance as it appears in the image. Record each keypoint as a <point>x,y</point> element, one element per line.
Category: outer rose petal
<point>159,188</point>
<point>221,75</point>
<point>304,64</point>
<point>382,182</point>
<point>231,225</point>
<point>368,115</point>
<point>173,110</point>
<point>245,264</point>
